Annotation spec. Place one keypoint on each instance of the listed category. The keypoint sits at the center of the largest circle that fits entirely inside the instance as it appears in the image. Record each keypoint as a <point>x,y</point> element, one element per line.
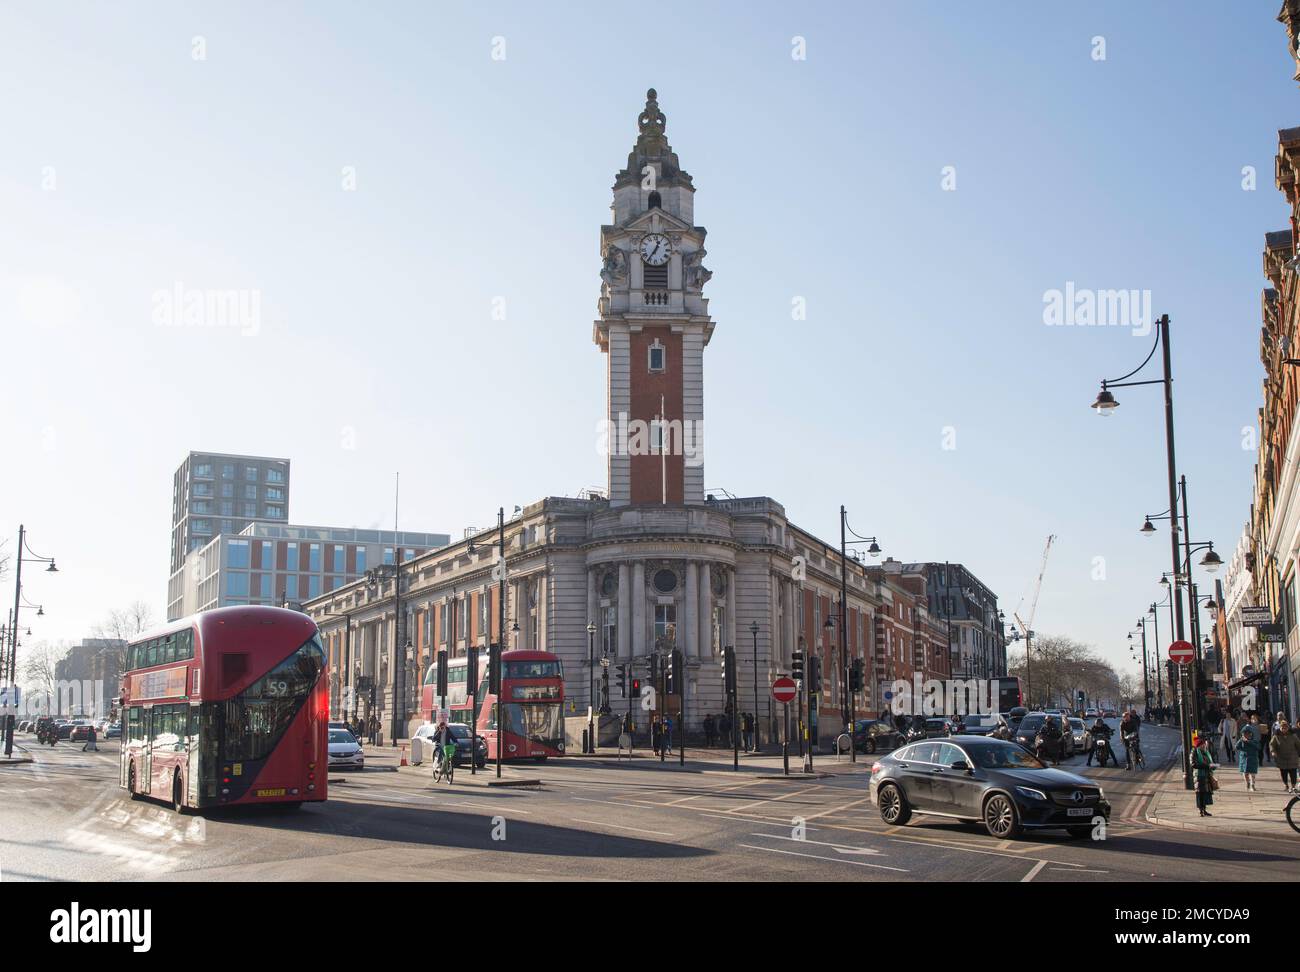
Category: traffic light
<point>796,666</point>
<point>674,671</point>
<point>1079,699</point>
<point>855,675</point>
<point>442,673</point>
<point>652,663</point>
<point>494,670</point>
<point>471,671</point>
<point>814,674</point>
<point>622,680</point>
<point>636,688</point>
<point>729,669</point>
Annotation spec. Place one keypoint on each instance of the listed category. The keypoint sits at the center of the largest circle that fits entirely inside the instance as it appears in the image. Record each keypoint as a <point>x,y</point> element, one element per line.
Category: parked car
<point>345,751</point>
<point>113,730</point>
<point>1082,735</point>
<point>873,735</point>
<point>984,780</point>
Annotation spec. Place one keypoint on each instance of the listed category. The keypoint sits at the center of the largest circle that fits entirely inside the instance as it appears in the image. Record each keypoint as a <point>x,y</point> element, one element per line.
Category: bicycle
<point>1293,813</point>
<point>444,764</point>
<point>1134,758</point>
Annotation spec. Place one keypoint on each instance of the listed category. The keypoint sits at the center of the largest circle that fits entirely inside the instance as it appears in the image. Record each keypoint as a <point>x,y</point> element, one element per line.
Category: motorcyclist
<point>1101,731</point>
<point>1002,730</point>
<point>1129,729</point>
<point>955,726</point>
<point>1050,739</point>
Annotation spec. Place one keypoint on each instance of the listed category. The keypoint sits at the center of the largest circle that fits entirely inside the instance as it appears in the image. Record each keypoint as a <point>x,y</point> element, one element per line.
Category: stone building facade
<point>655,563</point>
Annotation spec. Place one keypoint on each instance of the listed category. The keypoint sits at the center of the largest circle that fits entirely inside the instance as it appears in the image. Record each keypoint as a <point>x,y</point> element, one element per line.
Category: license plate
<point>1079,812</point>
<point>280,792</point>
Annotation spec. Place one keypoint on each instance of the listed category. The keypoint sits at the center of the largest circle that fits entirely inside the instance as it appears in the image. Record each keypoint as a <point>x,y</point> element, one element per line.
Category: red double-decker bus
<point>531,703</point>
<point>227,707</point>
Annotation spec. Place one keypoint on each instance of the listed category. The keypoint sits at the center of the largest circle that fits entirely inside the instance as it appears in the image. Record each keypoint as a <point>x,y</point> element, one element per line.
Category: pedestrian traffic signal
<point>729,669</point>
<point>796,666</point>
<point>855,675</point>
<point>636,688</point>
<point>814,674</point>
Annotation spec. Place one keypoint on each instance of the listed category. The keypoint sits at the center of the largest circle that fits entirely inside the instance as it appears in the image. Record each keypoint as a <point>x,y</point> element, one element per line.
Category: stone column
<point>730,620</point>
<point>690,627</point>
<point>638,609</point>
<point>624,613</point>
<point>706,611</point>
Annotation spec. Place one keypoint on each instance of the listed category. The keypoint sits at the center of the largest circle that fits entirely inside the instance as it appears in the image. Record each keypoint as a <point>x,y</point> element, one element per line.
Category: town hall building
<point>655,564</point>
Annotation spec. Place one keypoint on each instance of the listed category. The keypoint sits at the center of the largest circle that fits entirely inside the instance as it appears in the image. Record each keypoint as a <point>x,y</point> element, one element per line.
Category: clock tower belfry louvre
<point>654,325</point>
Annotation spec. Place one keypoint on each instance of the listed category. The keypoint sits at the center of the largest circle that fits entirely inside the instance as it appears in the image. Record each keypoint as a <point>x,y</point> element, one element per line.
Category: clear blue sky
<point>480,178</point>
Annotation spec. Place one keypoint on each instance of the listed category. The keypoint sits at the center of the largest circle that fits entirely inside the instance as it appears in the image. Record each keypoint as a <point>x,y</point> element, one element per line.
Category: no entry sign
<point>1182,652</point>
<point>784,690</point>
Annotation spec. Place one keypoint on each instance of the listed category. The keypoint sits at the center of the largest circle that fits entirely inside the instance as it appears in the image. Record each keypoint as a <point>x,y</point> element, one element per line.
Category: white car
<point>345,751</point>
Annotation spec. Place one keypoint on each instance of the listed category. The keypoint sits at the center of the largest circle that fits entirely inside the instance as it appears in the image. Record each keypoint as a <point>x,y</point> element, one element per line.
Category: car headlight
<point>1101,794</point>
<point>1030,792</point>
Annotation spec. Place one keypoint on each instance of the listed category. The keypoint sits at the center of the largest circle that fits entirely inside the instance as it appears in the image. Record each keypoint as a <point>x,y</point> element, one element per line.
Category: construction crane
<point>1028,628</point>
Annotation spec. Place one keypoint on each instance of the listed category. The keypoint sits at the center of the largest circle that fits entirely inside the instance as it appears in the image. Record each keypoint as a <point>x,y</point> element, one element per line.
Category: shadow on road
<point>437,827</point>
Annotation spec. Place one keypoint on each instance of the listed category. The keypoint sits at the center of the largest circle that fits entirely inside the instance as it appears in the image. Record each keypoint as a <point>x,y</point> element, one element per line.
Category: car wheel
<point>1079,833</point>
<point>1000,817</point>
<point>894,809</point>
<point>871,746</point>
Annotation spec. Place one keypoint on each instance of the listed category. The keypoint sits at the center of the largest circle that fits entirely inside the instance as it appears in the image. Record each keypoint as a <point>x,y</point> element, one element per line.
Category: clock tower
<point>653,326</point>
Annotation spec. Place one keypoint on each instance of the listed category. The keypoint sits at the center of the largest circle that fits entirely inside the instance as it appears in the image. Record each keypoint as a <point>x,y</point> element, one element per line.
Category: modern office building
<point>267,563</point>
<point>214,493</point>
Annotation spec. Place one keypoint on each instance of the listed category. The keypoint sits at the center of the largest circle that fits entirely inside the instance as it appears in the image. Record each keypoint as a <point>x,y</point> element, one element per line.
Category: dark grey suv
<point>987,780</point>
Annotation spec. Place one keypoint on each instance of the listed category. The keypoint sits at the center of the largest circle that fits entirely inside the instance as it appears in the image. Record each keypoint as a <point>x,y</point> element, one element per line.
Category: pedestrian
<point>710,730</point>
<point>724,729</point>
<point>1248,754</point>
<point>1229,729</point>
<point>749,731</point>
<point>668,734</point>
<point>1203,764</point>
<point>656,736</point>
<point>91,747</point>
<point>1261,726</point>
<point>374,729</point>
<point>1285,750</point>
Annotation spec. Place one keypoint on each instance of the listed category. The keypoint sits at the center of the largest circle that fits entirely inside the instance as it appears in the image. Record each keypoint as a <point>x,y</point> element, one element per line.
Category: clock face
<point>655,249</point>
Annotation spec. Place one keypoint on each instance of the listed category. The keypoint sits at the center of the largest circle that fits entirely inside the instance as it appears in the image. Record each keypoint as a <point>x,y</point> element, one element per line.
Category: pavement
<point>1257,813</point>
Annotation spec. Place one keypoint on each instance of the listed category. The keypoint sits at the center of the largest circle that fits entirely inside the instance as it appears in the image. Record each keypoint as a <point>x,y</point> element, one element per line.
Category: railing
<point>656,297</point>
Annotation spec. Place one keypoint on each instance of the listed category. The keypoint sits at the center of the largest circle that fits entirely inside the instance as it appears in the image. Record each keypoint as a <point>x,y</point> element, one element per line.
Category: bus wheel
<point>130,783</point>
<point>178,794</point>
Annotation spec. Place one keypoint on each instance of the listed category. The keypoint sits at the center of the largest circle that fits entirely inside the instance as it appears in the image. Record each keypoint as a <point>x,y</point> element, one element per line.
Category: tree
<point>123,626</point>
<point>40,669</point>
<point>1061,668</point>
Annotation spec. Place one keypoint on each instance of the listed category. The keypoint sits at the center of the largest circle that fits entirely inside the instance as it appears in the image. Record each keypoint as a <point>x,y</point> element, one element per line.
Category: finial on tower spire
<point>652,121</point>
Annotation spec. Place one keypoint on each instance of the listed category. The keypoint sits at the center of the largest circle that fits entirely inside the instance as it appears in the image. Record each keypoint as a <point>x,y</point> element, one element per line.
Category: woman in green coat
<point>1248,749</point>
<point>1203,764</point>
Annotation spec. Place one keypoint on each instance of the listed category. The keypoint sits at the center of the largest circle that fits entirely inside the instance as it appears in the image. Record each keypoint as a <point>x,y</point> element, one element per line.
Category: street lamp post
<point>753,629</point>
<point>591,686</point>
<point>25,553</point>
<point>1105,404</point>
<point>847,700</point>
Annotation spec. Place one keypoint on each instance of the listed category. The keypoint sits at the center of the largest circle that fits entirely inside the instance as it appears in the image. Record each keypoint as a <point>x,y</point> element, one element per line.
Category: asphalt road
<point>64,817</point>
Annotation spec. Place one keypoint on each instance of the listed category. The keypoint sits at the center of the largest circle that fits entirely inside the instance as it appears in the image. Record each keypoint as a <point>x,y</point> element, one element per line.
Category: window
<point>258,717</point>
<point>201,506</point>
<point>340,559</point>
<point>274,494</point>
<point>313,558</point>
<point>291,563</point>
<point>201,526</point>
<point>388,555</point>
<point>228,490</point>
<point>237,584</point>
<point>484,612</point>
<point>462,611</point>
<point>408,553</point>
<point>361,560</point>
<point>250,492</point>
<point>665,581</point>
<point>264,587</point>
<point>250,510</point>
<point>289,586</point>
<point>227,508</point>
<point>203,469</point>
<point>656,355</point>
<point>237,554</point>
<point>275,475</point>
<point>250,473</point>
<point>608,631</point>
<point>227,470</point>
<point>313,586</point>
<point>202,489</point>
<point>665,626</point>
<point>443,615</point>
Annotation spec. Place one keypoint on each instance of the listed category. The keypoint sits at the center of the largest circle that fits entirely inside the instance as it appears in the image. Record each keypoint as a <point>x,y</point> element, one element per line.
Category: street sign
<point>1182,652</point>
<point>1271,634</point>
<point>784,690</point>
<point>1254,616</point>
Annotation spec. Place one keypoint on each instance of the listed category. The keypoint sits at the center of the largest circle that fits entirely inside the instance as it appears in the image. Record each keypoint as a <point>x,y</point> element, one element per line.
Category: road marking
<point>485,806</point>
<point>1030,876</point>
<point>606,823</point>
<point>818,857</point>
<point>617,803</point>
<point>847,848</point>
<point>1082,870</point>
<point>814,816</point>
<point>785,796</point>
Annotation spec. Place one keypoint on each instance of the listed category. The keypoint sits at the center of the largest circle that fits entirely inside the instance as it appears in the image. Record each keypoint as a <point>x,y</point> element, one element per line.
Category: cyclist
<point>1129,733</point>
<point>445,754</point>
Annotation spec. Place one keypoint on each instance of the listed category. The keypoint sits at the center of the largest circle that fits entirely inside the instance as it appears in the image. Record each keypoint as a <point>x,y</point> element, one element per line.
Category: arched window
<point>656,201</point>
